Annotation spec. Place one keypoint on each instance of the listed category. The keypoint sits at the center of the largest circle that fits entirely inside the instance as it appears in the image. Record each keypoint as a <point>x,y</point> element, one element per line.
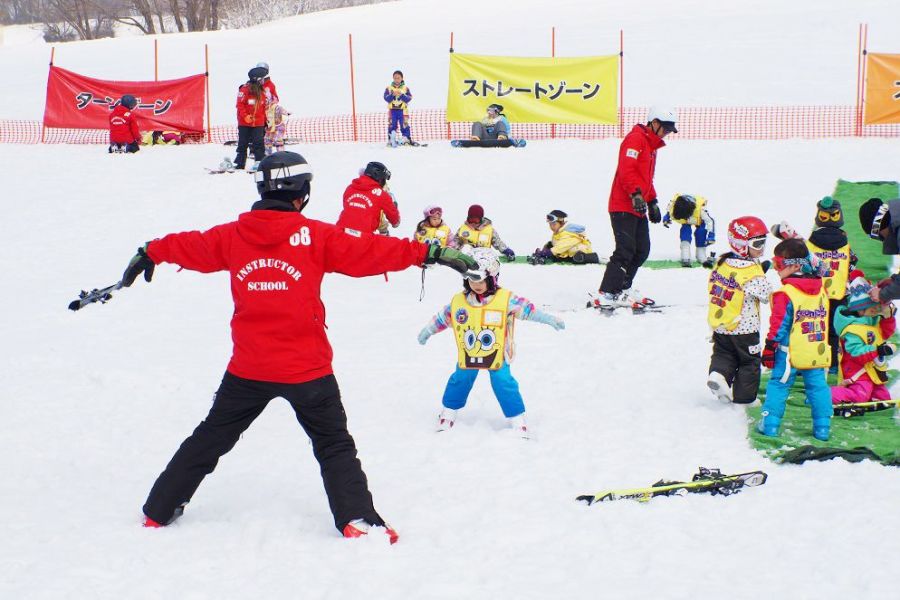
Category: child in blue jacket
<point>398,97</point>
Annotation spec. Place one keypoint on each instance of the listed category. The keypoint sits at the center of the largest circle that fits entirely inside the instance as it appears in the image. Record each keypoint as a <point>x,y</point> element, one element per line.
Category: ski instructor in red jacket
<point>632,201</point>
<point>367,198</point>
<point>276,258</point>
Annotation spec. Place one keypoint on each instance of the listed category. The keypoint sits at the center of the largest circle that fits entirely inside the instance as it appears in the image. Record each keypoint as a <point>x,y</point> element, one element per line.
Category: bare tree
<point>89,18</point>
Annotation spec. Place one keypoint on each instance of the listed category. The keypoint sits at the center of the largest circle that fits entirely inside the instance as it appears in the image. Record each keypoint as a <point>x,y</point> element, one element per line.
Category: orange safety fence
<point>695,123</point>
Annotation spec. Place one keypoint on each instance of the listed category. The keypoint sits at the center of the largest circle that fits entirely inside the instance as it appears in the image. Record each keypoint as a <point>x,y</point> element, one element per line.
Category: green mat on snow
<point>875,435</point>
<point>650,264</point>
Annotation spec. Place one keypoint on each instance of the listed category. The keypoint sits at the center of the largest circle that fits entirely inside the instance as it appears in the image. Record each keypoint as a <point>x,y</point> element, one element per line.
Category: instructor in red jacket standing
<point>276,259</point>
<point>632,201</point>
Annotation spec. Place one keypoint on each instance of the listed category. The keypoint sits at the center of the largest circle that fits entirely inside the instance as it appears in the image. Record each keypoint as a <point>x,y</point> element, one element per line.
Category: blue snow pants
<point>699,235</point>
<point>398,119</point>
<point>818,394</point>
<point>505,387</point>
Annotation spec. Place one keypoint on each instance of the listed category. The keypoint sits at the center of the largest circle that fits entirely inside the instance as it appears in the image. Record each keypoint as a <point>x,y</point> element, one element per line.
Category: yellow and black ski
<point>706,481</point>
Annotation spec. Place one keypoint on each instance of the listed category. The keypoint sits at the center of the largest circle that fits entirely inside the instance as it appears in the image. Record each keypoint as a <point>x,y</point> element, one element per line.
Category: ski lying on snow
<point>102,296</point>
<point>710,481</point>
<point>856,409</point>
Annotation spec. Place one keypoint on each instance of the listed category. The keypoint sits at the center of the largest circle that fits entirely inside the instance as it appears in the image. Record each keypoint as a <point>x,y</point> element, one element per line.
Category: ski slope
<point>95,403</point>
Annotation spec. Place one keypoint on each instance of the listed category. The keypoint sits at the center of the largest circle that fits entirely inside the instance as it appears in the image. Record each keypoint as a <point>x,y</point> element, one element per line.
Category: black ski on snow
<point>710,481</point>
<point>102,296</point>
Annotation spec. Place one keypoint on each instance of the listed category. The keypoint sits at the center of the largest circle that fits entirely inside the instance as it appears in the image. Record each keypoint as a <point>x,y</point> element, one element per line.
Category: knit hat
<point>829,213</point>
<point>476,214</point>
<point>867,213</point>
<point>858,298</point>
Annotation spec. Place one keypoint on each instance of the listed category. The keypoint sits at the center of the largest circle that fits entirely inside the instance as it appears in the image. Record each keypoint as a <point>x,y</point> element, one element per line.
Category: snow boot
<point>768,424</point>
<point>637,299</point>
<point>518,425</point>
<point>822,429</point>
<point>446,419</point>
<point>719,387</point>
<point>148,522</point>
<point>582,258</point>
<point>686,254</point>
<point>357,528</point>
<point>606,301</point>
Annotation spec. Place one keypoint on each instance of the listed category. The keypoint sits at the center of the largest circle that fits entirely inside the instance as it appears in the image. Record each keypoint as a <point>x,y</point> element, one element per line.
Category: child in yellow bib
<point>568,244</point>
<point>797,342</point>
<point>432,229</point>
<point>690,211</point>
<point>482,318</point>
<point>479,232</point>
<point>737,286</point>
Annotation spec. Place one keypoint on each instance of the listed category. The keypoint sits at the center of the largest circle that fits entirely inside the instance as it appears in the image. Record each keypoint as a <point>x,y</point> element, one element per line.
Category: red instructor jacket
<point>276,261</point>
<point>637,163</point>
<point>364,201</point>
<point>123,128</point>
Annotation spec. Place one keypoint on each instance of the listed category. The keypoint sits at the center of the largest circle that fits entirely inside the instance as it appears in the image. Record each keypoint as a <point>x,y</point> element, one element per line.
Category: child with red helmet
<point>737,285</point>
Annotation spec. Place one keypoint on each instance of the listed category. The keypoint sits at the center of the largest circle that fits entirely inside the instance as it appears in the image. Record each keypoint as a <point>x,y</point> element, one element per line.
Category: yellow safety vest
<point>480,331</point>
<point>726,294</point>
<point>438,236</point>
<point>480,238</point>
<point>871,335</point>
<point>696,217</point>
<point>396,102</point>
<point>838,269</point>
<point>808,341</point>
<point>573,242</point>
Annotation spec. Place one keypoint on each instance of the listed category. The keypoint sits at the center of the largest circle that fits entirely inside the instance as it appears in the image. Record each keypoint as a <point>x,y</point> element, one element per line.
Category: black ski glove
<point>766,265</point>
<point>450,257</point>
<point>653,212</point>
<point>885,350</point>
<point>638,203</point>
<point>139,263</point>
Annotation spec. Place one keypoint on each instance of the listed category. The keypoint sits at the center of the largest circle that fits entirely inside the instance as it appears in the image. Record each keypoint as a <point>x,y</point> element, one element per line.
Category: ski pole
<point>102,296</point>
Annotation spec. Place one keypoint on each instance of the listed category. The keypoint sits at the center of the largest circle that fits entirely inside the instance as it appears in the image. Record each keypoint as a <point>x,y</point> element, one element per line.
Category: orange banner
<point>882,89</point>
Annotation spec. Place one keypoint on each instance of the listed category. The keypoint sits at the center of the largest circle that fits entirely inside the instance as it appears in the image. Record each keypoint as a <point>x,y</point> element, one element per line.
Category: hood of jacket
<point>842,320</point>
<point>828,238</point>
<point>805,283</point>
<point>262,227</point>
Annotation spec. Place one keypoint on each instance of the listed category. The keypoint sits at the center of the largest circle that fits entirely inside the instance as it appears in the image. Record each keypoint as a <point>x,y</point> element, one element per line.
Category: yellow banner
<point>882,89</point>
<point>534,90</point>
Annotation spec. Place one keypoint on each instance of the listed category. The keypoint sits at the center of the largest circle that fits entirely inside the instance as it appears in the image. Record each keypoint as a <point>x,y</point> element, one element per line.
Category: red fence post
<point>353,89</point>
<point>621,83</point>
<point>552,55</point>
<point>208,120</point>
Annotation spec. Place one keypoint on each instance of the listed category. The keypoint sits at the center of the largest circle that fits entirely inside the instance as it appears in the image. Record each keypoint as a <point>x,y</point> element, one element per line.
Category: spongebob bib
<point>480,331</point>
<point>838,269</point>
<point>726,294</point>
<point>480,238</point>
<point>436,236</point>
<point>809,347</point>
<point>871,335</point>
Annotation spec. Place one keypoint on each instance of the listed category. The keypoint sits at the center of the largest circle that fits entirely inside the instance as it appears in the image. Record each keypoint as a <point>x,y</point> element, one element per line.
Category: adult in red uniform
<point>366,198</point>
<point>632,200</point>
<point>276,259</point>
<point>124,135</point>
<point>251,116</point>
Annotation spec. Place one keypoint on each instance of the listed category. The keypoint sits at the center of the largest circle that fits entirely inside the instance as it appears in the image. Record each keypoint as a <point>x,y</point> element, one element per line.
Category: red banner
<point>78,102</point>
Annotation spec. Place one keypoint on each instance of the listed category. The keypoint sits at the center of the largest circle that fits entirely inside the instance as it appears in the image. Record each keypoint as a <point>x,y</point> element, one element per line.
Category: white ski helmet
<point>664,114</point>
<point>488,269</point>
<point>263,65</point>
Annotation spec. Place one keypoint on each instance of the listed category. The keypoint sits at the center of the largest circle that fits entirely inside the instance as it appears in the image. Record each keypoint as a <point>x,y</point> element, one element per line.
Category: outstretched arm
<point>522,308</point>
<point>438,323</point>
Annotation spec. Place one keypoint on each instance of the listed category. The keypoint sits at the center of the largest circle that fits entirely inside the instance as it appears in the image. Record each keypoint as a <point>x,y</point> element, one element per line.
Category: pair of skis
<point>858,409</point>
<point>705,481</point>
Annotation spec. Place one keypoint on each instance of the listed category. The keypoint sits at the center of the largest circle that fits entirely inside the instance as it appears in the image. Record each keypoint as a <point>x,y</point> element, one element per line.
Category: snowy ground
<point>95,403</point>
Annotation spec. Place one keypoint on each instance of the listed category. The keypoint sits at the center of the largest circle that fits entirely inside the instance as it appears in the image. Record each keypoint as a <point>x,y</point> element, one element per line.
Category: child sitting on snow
<point>275,127</point>
<point>690,211</point>
<point>737,285</point>
<point>568,244</point>
<point>432,229</point>
<point>864,326</point>
<point>797,341</point>
<point>479,232</point>
<point>482,318</point>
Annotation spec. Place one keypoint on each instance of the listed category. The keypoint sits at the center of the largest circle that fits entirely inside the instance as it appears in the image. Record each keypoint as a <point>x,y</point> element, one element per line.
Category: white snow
<point>95,403</point>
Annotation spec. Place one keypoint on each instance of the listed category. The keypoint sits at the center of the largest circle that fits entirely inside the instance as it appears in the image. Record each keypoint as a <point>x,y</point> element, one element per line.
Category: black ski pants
<point>732,358</point>
<point>632,236</point>
<point>253,137</point>
<point>237,403</point>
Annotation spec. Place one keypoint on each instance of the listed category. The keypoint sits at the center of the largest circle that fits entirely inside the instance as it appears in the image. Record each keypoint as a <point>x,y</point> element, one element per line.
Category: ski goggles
<point>824,216</point>
<point>434,211</point>
<point>779,262</point>
<point>551,218</point>
<point>874,233</point>
<point>757,243</point>
<point>475,276</point>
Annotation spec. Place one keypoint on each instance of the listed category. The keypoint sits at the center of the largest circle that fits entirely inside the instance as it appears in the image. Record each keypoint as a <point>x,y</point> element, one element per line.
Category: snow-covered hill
<point>94,403</point>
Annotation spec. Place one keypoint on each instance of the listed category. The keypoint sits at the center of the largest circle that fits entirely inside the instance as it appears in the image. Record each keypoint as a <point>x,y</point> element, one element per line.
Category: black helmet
<point>284,176</point>
<point>556,215</point>
<point>128,101</point>
<point>378,172</point>
<point>683,207</point>
<point>257,74</point>
<point>498,108</point>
